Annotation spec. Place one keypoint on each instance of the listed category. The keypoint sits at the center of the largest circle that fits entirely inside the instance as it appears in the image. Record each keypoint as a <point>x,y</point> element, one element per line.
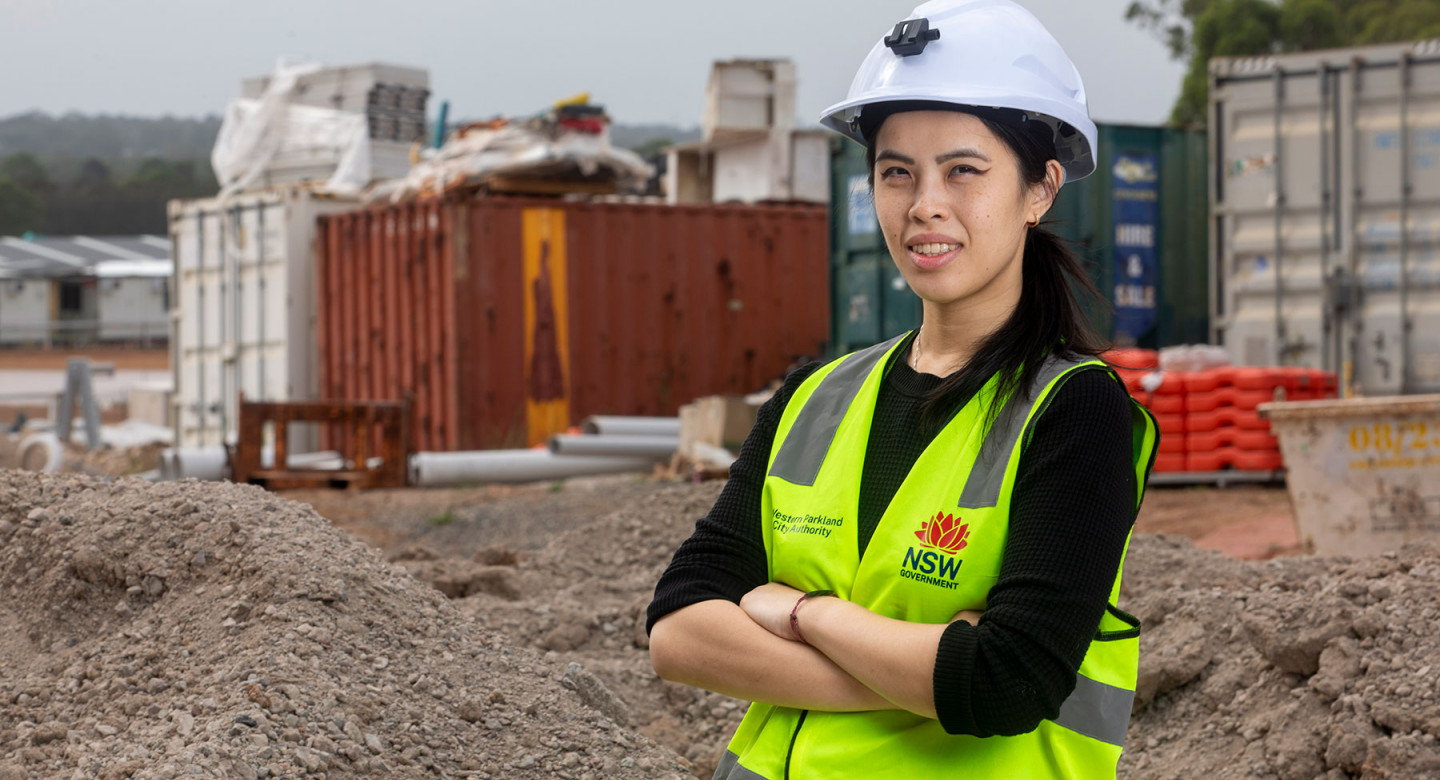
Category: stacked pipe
<point>1208,419</point>
<point>635,437</point>
<point>606,445</point>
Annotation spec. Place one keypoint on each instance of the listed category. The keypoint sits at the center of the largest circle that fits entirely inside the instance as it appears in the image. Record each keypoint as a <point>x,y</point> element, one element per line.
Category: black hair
<point>1048,319</point>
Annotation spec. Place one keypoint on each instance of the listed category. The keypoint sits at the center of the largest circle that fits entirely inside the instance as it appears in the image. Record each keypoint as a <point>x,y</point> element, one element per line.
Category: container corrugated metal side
<point>509,319</point>
<point>386,327</point>
<point>1325,184</point>
<point>872,302</point>
<point>243,307</point>
<point>1085,215</point>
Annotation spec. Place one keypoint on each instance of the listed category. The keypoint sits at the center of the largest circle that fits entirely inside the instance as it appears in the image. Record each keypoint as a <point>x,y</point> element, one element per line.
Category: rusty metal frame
<point>360,419</point>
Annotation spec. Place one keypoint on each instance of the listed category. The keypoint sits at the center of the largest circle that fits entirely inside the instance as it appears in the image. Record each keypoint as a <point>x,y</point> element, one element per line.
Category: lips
<point>928,252</point>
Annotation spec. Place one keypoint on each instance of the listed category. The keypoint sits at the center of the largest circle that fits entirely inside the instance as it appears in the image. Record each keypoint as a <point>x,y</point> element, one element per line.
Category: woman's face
<point>953,207</point>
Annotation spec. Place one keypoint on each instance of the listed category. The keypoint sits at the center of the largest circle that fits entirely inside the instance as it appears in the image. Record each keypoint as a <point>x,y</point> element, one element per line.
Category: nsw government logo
<point>941,537</point>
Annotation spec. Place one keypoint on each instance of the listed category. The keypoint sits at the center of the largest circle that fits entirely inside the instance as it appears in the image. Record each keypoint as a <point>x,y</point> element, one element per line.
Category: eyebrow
<point>890,154</point>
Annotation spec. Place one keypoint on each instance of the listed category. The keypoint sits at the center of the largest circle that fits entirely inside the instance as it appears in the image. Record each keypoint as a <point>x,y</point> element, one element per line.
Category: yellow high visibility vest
<point>930,556</point>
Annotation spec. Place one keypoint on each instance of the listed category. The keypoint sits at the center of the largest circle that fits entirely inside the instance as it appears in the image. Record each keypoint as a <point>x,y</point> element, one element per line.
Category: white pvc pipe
<point>212,463</point>
<point>206,463</point>
<point>47,446</point>
<point>612,425</point>
<point>432,469</point>
<point>653,447</point>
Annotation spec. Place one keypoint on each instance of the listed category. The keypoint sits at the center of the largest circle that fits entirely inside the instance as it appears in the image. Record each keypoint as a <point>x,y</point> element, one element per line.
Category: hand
<point>770,605</point>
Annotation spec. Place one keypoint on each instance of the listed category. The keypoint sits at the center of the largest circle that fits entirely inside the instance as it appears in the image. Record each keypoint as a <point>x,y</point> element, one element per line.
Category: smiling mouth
<point>933,250</point>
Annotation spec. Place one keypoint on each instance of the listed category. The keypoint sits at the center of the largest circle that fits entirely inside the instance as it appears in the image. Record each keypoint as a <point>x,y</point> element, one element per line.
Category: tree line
<point>1197,30</point>
<point>99,175</point>
<point>95,201</point>
<point>113,175</point>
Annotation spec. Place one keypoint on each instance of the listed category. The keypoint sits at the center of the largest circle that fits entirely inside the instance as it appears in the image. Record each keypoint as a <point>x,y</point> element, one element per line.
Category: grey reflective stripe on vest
<point>1094,709</point>
<point>1098,710</point>
<point>803,451</point>
<point>730,769</point>
<point>982,487</point>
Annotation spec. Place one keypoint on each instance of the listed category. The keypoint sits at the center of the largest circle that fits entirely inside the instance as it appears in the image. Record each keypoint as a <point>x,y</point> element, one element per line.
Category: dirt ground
<point>121,357</point>
<point>215,630</point>
<point>221,631</point>
<point>523,517</point>
<point>606,540</point>
<point>1243,521</point>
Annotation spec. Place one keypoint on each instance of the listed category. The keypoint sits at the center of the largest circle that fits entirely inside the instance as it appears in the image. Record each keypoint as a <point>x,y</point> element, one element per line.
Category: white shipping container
<point>1325,204</point>
<point>243,309</point>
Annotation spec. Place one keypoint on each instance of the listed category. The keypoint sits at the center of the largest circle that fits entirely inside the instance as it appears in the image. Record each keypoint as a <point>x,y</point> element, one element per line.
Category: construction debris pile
<point>168,627</point>
<point>565,149</point>
<point>155,630</point>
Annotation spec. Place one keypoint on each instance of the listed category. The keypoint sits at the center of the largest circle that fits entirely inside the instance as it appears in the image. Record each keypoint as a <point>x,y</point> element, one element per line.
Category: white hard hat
<point>986,53</point>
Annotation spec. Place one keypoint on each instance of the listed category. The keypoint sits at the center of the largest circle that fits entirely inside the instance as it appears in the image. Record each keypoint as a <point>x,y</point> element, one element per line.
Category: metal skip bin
<point>1363,473</point>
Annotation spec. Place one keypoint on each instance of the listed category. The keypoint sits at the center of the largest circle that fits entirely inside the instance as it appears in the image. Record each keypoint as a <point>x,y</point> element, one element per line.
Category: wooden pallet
<point>361,418</point>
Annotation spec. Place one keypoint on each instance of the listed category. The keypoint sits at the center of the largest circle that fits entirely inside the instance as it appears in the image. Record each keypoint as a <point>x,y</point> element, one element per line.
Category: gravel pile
<point>581,599</point>
<point>214,630</point>
<point>1297,667</point>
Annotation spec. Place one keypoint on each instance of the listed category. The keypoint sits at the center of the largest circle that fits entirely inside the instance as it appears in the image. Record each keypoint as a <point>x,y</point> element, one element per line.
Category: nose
<point>929,201</point>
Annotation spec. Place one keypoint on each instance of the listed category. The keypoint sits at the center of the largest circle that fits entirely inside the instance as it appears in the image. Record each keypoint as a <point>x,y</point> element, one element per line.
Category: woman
<point>913,570</point>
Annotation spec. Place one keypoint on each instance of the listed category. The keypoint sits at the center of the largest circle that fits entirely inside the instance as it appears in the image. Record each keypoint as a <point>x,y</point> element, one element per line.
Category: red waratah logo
<point>944,532</point>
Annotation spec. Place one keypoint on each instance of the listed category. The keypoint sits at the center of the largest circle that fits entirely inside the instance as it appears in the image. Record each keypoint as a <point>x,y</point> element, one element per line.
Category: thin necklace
<point>915,353</point>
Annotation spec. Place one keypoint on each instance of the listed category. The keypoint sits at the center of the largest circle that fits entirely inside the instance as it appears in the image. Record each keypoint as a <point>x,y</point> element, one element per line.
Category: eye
<point>893,172</point>
<point>964,169</point>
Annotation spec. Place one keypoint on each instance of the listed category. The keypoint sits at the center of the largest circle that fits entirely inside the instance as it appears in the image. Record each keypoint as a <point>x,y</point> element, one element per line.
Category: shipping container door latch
<point>910,37</point>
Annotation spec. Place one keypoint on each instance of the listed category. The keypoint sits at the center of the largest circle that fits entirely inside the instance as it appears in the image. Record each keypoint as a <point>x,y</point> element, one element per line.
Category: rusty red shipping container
<point>509,319</point>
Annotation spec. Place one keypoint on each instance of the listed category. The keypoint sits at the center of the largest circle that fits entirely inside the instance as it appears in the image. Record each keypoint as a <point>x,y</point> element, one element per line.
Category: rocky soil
<point>214,630</point>
<point>223,631</point>
<point>1298,667</point>
<point>1295,668</point>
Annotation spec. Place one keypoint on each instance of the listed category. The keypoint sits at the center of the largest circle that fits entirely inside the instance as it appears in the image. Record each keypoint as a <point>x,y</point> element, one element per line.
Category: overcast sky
<point>645,60</point>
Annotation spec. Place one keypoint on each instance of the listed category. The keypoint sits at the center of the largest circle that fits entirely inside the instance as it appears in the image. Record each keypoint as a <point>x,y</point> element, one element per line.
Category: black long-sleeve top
<point>1071,511</point>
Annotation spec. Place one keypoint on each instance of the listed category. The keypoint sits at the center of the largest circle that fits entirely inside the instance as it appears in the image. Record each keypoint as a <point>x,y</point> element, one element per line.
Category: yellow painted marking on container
<point>547,324</point>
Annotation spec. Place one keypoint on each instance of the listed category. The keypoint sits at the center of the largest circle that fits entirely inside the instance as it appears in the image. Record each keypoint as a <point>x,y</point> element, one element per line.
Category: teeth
<point>933,249</point>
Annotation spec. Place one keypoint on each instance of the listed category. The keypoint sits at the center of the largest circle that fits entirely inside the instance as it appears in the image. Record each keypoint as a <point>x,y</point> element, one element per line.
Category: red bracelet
<point>795,612</point>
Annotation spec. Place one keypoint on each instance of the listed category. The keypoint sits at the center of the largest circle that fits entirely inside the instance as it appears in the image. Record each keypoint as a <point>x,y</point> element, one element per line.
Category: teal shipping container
<point>1139,224</point>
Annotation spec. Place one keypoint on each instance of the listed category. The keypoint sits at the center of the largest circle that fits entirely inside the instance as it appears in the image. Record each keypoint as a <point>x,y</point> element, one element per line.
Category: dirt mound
<point>109,461</point>
<point>215,630</point>
<point>161,630</point>
<point>1295,668</point>
<point>581,599</point>
<point>1298,667</point>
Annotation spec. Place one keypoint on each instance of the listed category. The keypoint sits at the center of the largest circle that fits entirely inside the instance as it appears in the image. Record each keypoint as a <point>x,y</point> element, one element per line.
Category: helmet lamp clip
<point>910,37</point>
